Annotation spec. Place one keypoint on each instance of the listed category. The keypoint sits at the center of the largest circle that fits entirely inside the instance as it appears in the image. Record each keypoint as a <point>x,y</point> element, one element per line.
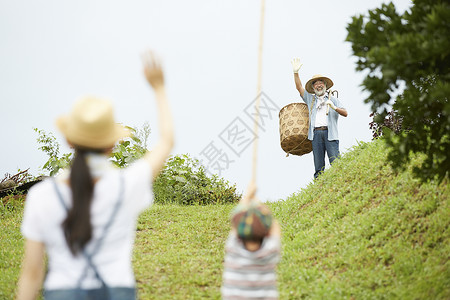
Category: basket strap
<point>311,108</point>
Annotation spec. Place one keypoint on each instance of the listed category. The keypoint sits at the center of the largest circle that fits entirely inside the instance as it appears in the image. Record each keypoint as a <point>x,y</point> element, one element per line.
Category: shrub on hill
<point>184,181</point>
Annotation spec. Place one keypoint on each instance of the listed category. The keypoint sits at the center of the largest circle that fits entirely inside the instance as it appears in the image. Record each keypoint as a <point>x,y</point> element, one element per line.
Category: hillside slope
<point>363,231</point>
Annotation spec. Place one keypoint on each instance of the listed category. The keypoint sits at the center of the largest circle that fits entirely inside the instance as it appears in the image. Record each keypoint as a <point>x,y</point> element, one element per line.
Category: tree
<point>392,122</point>
<point>407,60</point>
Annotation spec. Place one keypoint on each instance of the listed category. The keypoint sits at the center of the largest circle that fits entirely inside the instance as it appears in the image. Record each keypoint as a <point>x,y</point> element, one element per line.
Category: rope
<point>296,147</point>
<point>258,90</point>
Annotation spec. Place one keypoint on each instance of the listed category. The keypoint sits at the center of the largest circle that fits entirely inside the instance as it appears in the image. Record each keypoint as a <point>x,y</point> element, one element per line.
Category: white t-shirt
<point>321,115</point>
<point>44,215</point>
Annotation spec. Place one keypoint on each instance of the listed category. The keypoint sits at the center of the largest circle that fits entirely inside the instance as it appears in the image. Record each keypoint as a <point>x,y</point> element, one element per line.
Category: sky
<point>54,52</point>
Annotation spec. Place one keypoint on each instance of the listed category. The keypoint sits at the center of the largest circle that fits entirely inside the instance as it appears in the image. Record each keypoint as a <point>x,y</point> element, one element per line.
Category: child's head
<point>252,222</point>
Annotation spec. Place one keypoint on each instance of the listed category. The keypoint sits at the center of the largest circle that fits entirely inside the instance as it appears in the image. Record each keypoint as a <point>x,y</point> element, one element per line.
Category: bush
<point>124,152</point>
<point>183,180</point>
<point>50,146</point>
<point>132,148</point>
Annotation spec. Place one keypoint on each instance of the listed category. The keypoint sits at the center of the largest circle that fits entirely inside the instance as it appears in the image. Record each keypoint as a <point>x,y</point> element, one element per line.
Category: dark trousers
<point>320,145</point>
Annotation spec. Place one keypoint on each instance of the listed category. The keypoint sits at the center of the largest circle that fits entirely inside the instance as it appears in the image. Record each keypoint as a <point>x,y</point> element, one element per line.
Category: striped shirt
<point>250,274</point>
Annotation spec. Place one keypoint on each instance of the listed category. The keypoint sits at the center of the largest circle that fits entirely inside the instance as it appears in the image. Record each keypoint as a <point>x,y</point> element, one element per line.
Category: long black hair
<point>77,226</point>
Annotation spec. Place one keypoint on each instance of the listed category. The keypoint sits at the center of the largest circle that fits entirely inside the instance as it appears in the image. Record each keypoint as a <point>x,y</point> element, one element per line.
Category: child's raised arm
<point>250,194</point>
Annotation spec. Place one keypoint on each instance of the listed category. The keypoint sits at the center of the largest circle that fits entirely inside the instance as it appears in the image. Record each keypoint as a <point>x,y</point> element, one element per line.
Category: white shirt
<point>44,215</point>
<point>321,115</point>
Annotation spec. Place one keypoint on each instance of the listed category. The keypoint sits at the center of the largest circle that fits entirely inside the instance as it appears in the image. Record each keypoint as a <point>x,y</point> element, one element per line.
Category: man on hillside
<point>323,131</point>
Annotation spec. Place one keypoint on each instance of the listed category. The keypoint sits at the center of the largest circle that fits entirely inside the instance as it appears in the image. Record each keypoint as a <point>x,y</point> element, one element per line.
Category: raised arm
<point>275,229</point>
<point>32,273</point>
<point>154,75</point>
<point>296,65</point>
<point>250,194</point>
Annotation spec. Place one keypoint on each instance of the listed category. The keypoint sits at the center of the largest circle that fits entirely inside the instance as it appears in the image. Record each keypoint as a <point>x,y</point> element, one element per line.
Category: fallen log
<point>19,189</point>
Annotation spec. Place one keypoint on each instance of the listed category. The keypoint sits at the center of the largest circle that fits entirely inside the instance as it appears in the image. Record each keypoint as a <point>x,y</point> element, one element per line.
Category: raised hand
<point>152,70</point>
<point>296,65</point>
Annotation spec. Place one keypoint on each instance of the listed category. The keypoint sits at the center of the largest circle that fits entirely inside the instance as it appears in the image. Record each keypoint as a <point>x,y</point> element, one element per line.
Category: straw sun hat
<point>91,124</point>
<point>309,84</point>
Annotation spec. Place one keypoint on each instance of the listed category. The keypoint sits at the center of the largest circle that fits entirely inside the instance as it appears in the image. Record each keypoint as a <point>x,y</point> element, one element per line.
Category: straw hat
<point>91,124</point>
<point>309,84</point>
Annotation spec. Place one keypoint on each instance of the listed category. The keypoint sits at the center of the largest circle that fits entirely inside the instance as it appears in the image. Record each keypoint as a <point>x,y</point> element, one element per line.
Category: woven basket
<point>294,124</point>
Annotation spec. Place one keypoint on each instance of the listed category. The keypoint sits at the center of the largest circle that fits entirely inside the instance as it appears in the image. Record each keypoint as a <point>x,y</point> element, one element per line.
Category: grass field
<point>361,231</point>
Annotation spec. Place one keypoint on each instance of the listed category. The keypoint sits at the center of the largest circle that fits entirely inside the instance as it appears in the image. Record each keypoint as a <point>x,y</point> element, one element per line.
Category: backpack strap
<point>311,108</point>
<point>96,247</point>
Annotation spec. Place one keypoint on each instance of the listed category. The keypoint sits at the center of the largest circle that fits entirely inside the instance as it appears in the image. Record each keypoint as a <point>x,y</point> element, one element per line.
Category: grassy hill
<point>361,231</point>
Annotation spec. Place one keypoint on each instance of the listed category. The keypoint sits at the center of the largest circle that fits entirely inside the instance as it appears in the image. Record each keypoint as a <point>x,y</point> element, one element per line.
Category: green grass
<point>11,245</point>
<point>361,231</point>
<point>179,251</point>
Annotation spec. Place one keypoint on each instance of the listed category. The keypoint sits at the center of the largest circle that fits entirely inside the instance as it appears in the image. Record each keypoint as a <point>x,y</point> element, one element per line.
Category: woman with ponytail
<point>84,219</point>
